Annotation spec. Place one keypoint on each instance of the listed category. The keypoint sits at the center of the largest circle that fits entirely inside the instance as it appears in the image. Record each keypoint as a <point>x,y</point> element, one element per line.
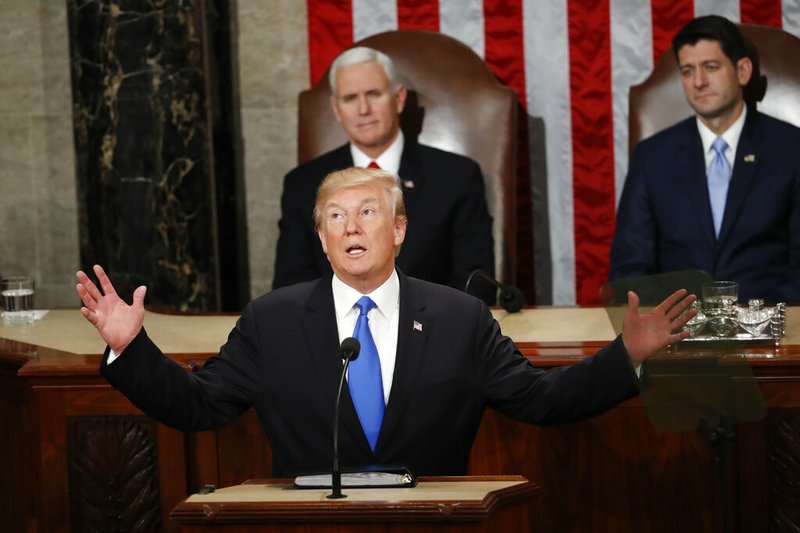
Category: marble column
<point>144,148</point>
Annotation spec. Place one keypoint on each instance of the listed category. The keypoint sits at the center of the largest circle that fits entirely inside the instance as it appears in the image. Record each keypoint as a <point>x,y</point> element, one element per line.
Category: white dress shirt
<point>731,136</point>
<point>389,160</point>
<point>384,320</point>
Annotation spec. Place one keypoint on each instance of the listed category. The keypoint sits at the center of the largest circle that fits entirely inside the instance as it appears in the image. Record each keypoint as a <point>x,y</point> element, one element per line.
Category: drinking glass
<point>719,295</point>
<point>719,305</point>
<point>16,297</point>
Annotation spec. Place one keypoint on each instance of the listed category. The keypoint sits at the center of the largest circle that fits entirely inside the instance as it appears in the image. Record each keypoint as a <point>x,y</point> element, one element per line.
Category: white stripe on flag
<point>547,77</point>
<point>791,16</point>
<point>463,20</point>
<point>371,17</point>
<point>727,8</point>
<point>631,63</point>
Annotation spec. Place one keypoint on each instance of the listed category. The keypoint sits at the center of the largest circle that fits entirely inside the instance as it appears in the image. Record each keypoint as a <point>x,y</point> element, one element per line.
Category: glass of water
<point>16,297</point>
<point>720,300</point>
<point>719,295</point>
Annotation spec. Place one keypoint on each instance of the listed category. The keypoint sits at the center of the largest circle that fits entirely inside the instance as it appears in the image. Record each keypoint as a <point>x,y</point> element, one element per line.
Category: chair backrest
<point>659,102</point>
<point>455,103</point>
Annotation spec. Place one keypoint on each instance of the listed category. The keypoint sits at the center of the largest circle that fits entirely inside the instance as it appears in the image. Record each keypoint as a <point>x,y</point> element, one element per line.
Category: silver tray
<point>739,339</point>
<point>771,336</point>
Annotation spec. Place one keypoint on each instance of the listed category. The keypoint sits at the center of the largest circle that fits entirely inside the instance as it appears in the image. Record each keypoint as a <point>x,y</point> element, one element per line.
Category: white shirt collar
<point>386,297</point>
<point>389,160</point>
<point>731,136</point>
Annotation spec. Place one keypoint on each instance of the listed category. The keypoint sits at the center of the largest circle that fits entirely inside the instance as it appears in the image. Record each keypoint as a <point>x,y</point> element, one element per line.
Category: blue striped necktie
<point>364,378</point>
<point>719,177</point>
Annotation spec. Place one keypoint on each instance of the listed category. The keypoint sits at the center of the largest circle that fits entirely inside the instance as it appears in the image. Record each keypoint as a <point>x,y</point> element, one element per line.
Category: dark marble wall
<point>147,183</point>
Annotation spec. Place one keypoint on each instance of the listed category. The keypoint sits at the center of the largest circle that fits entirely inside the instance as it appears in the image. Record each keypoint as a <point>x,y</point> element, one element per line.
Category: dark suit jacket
<point>449,228</point>
<point>282,357</point>
<point>664,217</point>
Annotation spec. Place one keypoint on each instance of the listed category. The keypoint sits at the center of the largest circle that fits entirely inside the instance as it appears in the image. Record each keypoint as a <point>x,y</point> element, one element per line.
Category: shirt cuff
<point>112,356</point>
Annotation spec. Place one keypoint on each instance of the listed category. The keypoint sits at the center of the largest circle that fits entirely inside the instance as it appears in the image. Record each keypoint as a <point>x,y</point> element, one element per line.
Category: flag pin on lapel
<point>750,158</point>
<point>408,184</point>
<point>417,326</point>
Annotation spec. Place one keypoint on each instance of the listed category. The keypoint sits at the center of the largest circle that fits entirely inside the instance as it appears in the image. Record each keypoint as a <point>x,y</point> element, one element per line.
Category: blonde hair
<point>355,176</point>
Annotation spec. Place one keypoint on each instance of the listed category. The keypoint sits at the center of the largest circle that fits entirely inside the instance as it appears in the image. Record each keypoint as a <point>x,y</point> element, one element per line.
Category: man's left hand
<point>645,334</point>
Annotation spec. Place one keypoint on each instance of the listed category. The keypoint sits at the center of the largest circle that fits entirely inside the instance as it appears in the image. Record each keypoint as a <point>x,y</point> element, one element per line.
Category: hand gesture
<point>645,334</point>
<point>116,321</point>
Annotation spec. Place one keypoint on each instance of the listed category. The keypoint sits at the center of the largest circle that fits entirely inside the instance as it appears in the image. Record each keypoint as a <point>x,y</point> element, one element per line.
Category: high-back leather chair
<point>454,103</point>
<point>659,102</point>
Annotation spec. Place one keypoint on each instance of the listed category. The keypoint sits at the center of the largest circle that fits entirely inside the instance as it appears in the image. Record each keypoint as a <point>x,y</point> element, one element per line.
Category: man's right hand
<point>116,321</point>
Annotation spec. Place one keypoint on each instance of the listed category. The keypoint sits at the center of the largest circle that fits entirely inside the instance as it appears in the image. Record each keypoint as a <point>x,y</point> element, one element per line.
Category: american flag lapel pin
<point>408,184</point>
<point>750,158</point>
<point>417,326</point>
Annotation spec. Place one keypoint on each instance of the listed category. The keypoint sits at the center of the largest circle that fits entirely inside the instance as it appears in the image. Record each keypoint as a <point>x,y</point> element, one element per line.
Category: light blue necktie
<point>719,177</point>
<point>364,379</point>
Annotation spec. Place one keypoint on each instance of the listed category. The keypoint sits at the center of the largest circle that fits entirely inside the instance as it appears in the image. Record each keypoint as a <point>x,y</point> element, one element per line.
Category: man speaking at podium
<point>433,357</point>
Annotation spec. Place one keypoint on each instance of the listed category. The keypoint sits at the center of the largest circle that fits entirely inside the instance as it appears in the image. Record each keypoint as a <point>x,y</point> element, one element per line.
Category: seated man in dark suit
<point>450,230</point>
<point>432,360</point>
<point>734,215</point>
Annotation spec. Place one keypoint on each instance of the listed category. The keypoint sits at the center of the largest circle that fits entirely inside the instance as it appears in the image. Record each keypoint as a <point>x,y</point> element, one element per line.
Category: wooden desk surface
<point>555,334</point>
<point>68,331</point>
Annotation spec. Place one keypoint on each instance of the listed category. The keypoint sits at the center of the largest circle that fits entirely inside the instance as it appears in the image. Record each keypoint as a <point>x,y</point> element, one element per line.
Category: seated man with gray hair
<point>449,226</point>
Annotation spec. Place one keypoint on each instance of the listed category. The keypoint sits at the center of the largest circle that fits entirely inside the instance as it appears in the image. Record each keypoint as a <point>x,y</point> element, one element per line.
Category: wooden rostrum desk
<point>77,456</point>
<point>469,504</point>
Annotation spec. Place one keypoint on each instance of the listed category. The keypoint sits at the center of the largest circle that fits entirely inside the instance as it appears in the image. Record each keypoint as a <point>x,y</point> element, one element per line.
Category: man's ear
<point>335,108</point>
<point>400,226</point>
<point>744,70</point>
<point>321,235</point>
<point>400,97</point>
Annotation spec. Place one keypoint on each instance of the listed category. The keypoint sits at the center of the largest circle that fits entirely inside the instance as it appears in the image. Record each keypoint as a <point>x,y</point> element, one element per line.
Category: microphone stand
<point>349,351</point>
<point>511,298</point>
<point>336,473</point>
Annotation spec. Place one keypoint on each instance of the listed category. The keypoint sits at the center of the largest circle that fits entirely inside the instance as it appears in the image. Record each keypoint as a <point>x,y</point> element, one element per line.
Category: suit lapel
<point>412,175</point>
<point>344,157</point>
<point>321,337</point>
<point>322,340</point>
<point>414,323</point>
<point>747,153</point>
<point>692,172</point>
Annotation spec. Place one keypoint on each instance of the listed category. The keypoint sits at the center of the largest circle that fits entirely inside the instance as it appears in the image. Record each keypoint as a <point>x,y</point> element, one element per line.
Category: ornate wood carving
<point>113,474</point>
<point>783,464</point>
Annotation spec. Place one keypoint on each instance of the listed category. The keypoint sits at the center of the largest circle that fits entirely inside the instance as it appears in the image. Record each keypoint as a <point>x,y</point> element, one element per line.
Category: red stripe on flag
<point>668,16</point>
<point>330,30</point>
<point>418,15</point>
<point>767,12</point>
<point>504,43</point>
<point>504,52</point>
<point>589,30</point>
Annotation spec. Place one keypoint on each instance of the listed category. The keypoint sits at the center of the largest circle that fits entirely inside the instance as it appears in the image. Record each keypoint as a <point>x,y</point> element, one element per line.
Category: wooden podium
<point>463,504</point>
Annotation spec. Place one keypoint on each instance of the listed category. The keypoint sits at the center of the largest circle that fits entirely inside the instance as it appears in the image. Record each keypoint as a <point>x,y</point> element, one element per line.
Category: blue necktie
<point>364,379</point>
<point>719,177</point>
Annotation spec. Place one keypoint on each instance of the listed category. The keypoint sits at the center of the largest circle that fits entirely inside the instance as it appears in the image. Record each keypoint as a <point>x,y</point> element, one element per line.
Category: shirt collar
<point>389,160</point>
<point>386,297</point>
<point>731,135</point>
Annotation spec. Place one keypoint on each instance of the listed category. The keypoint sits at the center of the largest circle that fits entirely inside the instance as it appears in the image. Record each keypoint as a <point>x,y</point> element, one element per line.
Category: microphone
<point>349,352</point>
<point>511,298</point>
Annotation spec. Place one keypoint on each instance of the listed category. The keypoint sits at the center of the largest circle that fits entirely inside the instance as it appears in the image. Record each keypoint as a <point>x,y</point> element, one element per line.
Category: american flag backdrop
<point>572,63</point>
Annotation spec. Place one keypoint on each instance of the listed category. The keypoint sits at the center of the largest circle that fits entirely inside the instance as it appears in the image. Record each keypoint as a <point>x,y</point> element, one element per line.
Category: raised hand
<point>645,334</point>
<point>116,321</point>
